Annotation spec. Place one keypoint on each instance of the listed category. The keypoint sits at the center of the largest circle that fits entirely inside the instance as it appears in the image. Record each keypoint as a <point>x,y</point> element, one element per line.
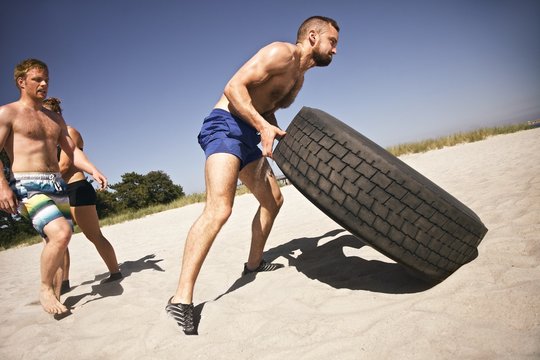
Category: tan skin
<point>85,216</point>
<point>69,172</point>
<point>30,133</point>
<point>270,80</point>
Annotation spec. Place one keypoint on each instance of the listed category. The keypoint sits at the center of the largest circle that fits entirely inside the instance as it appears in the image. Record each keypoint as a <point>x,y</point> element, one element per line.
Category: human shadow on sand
<point>197,311</point>
<point>105,288</point>
<point>324,259</point>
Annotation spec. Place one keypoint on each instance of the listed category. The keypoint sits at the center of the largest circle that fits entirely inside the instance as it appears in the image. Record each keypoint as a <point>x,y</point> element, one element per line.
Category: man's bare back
<point>275,90</point>
<point>272,78</point>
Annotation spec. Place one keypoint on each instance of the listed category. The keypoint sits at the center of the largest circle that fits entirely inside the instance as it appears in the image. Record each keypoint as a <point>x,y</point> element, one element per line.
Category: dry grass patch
<point>455,139</point>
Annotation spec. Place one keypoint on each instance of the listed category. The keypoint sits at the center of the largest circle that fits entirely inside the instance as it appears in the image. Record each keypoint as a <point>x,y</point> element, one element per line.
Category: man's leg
<point>221,176</point>
<point>58,234</point>
<point>66,264</point>
<point>58,279</point>
<point>260,180</point>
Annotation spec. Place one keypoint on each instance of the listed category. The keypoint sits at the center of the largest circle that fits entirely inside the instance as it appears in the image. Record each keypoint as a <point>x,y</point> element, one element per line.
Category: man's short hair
<point>53,104</point>
<point>24,66</point>
<point>317,22</point>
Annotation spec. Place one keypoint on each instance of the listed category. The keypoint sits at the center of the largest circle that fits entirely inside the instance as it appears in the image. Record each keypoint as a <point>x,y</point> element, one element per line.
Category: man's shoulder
<point>53,115</point>
<point>9,111</point>
<point>13,106</point>
<point>279,51</point>
<point>281,47</point>
<point>73,131</point>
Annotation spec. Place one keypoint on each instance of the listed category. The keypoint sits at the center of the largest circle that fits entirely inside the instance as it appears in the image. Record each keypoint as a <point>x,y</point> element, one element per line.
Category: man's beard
<point>322,59</point>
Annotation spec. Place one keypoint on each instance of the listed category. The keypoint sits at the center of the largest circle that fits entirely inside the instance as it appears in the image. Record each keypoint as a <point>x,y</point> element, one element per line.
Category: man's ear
<point>313,36</point>
<point>20,82</point>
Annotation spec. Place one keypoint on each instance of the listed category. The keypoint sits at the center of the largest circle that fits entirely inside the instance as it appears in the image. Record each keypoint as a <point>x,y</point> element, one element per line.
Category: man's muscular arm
<point>269,61</point>
<point>271,118</point>
<point>8,200</point>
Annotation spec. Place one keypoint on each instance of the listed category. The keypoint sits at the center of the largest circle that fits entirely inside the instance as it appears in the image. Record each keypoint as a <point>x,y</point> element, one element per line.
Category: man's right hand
<point>268,135</point>
<point>8,200</point>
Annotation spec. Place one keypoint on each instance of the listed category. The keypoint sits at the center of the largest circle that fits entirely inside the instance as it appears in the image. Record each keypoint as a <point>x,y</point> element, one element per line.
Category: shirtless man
<point>30,134</point>
<point>243,117</point>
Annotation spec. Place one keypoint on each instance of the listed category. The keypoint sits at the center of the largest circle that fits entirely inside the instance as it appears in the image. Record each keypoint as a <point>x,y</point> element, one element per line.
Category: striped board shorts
<point>42,198</point>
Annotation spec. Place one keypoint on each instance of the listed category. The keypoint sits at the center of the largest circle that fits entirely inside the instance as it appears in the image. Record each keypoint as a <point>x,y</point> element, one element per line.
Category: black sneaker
<point>263,267</point>
<point>183,315</point>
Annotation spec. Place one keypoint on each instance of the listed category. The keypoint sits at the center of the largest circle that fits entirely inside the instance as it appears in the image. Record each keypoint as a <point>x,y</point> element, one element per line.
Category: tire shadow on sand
<point>324,259</point>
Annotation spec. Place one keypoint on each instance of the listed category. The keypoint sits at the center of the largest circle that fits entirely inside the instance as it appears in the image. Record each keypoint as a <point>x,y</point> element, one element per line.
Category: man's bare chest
<point>37,128</point>
<point>282,87</point>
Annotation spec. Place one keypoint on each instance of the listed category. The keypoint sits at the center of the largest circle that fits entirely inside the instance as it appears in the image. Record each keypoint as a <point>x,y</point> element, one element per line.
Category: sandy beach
<point>336,298</point>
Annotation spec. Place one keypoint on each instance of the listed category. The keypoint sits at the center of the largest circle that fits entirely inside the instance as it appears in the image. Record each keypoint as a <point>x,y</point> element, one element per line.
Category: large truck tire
<point>377,197</point>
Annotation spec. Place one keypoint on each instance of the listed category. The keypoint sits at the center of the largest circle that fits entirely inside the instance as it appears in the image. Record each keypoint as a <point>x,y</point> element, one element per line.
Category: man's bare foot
<point>50,303</point>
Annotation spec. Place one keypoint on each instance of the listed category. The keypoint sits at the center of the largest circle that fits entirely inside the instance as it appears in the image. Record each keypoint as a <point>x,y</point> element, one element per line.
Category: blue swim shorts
<point>42,198</point>
<point>223,132</point>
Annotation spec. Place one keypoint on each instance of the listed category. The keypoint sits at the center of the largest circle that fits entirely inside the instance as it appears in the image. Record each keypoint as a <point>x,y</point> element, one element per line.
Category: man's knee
<point>219,213</point>
<point>275,204</point>
<point>58,232</point>
<point>279,202</point>
<point>61,238</point>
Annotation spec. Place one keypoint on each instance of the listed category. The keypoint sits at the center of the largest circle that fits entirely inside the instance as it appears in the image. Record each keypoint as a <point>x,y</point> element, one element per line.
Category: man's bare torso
<point>277,92</point>
<point>33,139</point>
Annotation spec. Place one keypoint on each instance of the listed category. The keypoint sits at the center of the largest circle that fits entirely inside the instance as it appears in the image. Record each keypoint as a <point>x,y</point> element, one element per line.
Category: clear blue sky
<point>138,77</point>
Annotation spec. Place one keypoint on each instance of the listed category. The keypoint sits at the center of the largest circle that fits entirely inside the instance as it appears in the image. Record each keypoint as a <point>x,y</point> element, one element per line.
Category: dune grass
<point>402,149</point>
<point>454,139</point>
<point>22,240</point>
<point>137,214</point>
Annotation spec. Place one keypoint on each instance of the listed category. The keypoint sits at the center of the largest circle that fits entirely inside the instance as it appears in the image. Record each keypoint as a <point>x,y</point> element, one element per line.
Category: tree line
<point>135,191</point>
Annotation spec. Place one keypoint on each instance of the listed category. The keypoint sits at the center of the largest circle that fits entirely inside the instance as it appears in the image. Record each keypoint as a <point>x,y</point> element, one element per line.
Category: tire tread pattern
<point>377,197</point>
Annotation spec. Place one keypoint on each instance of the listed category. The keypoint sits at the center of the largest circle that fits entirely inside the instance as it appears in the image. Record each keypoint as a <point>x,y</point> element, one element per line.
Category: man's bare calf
<point>51,265</point>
